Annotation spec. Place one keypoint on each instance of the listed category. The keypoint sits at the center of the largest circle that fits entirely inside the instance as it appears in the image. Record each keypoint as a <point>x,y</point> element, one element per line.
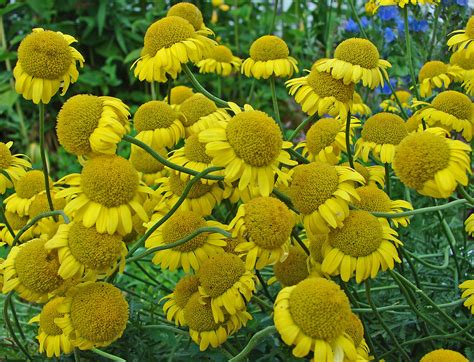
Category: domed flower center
<point>199,316</point>
<point>31,184</point>
<point>268,222</point>
<point>293,269</point>
<point>37,269</point>
<point>412,124</point>
<point>180,93</point>
<point>5,156</point>
<point>109,180</point>
<point>48,313</point>
<point>221,54</point>
<point>470,27</point>
<point>40,205</point>
<point>320,308</point>
<point>432,69</point>
<point>146,163</point>
<point>166,32</point>
<point>361,234</point>
<point>45,54</point>
<point>180,225</point>
<point>77,119</point>
<point>315,246</point>
<point>231,245</point>
<point>99,312</point>
<point>312,185</point>
<point>355,329</point>
<point>195,107</point>
<point>268,47</point>
<point>326,86</point>
<point>403,96</point>
<point>96,251</point>
<point>443,355</point>
<point>462,59</point>
<point>419,156</point>
<point>384,128</point>
<point>372,199</point>
<point>197,190</point>
<point>189,12</point>
<point>455,103</point>
<point>322,134</point>
<point>16,221</point>
<point>153,115</point>
<point>255,138</point>
<point>185,288</point>
<point>220,272</point>
<point>195,150</point>
<point>358,52</point>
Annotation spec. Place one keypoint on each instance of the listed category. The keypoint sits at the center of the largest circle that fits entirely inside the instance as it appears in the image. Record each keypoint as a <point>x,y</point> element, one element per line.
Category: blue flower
<point>364,21</point>
<point>351,26</point>
<point>387,13</point>
<point>389,35</point>
<point>385,90</point>
<point>455,2</point>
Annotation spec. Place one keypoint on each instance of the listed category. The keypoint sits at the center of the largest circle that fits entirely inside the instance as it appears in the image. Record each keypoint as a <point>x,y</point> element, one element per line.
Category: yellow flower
<point>158,125</point>
<point>443,355</point>
<point>250,147</point>
<point>16,222</point>
<point>220,61</point>
<point>362,246</point>
<point>32,271</point>
<point>436,74</point>
<point>174,306</point>
<point>380,135</point>
<point>319,92</point>
<point>390,105</point>
<point>269,56</point>
<point>106,194</point>
<point>94,315</point>
<point>263,226</point>
<point>356,60</point>
<point>356,332</point>
<point>191,13</point>
<point>373,199</point>
<point>465,61</point>
<point>46,62</point>
<point>469,225</point>
<point>47,225</point>
<point>170,42</point>
<point>193,253</point>
<point>370,7</point>
<point>414,124</point>
<point>225,284</point>
<point>293,269</point>
<point>178,95</point>
<point>468,294</point>
<point>13,165</point>
<point>88,124</point>
<point>432,164</point>
<point>402,3</point>
<point>358,106</point>
<point>322,193</point>
<point>315,259</point>
<point>150,168</point>
<point>314,315</point>
<point>463,39</point>
<point>371,174</point>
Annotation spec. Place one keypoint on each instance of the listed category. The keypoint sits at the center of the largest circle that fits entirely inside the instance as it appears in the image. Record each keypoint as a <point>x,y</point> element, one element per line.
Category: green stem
<point>253,342</point>
<point>409,53</point>
<point>451,240</point>
<point>168,91</point>
<point>454,303</point>
<point>107,355</point>
<point>165,328</point>
<point>236,27</point>
<point>429,265</point>
<point>276,110</point>
<point>387,179</point>
<point>397,100</point>
<point>43,156</point>
<point>421,210</point>
<point>153,90</point>
<point>433,34</point>
<point>356,17</point>
<point>264,286</point>
<point>275,10</point>
<point>327,30</point>
<point>262,302</point>
<point>251,91</point>
<point>300,242</point>
<point>466,195</point>
<point>16,320</point>
<point>168,163</point>
<point>298,156</point>
<point>301,126</point>
<point>77,356</point>
<point>9,326</point>
<point>285,199</point>
<point>5,221</point>
<point>219,87</point>
<point>348,137</point>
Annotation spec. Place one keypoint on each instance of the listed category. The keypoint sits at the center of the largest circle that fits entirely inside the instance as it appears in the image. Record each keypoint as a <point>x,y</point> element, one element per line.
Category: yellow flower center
<point>358,52</point>
<point>444,355</point>
<point>5,156</point>
<point>470,27</point>
<point>220,272</point>
<point>268,222</point>
<point>166,32</point>
<point>31,184</point>
<point>355,329</point>
<point>37,269</point>
<point>320,308</point>
<point>326,86</point>
<point>189,12</point>
<point>312,185</point>
<point>184,289</point>
<point>195,107</point>
<point>109,180</point>
<point>199,316</point>
<point>92,249</point>
<point>255,138</point>
<point>419,156</point>
<point>432,69</point>
<point>195,150</point>
<point>77,119</point>
<point>99,312</point>
<point>153,115</point>
<point>294,269</point>
<point>221,54</point>
<point>462,59</point>
<point>455,103</point>
<point>372,199</point>
<point>384,128</point>
<point>47,315</point>
<point>197,190</point>
<point>16,221</point>
<point>315,246</point>
<point>40,204</point>
<point>231,244</point>
<point>322,134</point>
<point>45,54</point>
<point>412,123</point>
<point>361,234</point>
<point>403,96</point>
<point>180,93</point>
<point>146,163</point>
<point>268,47</point>
<point>180,225</point>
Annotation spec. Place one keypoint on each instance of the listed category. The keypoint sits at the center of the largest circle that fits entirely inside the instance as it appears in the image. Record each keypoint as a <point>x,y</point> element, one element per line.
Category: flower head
<point>358,106</point>
<point>468,293</point>
<point>149,167</point>
<point>220,61</point>
<point>188,11</point>
<point>436,74</point>
<point>174,306</point>
<point>200,113</point>
<point>178,95</point>
<point>441,355</point>
<point>293,269</point>
<point>463,39</point>
<point>403,3</point>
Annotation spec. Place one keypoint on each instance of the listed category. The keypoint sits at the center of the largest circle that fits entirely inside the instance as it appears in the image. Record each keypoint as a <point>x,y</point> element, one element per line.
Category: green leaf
<point>7,100</point>
<point>9,8</point>
<point>134,54</point>
<point>101,16</point>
